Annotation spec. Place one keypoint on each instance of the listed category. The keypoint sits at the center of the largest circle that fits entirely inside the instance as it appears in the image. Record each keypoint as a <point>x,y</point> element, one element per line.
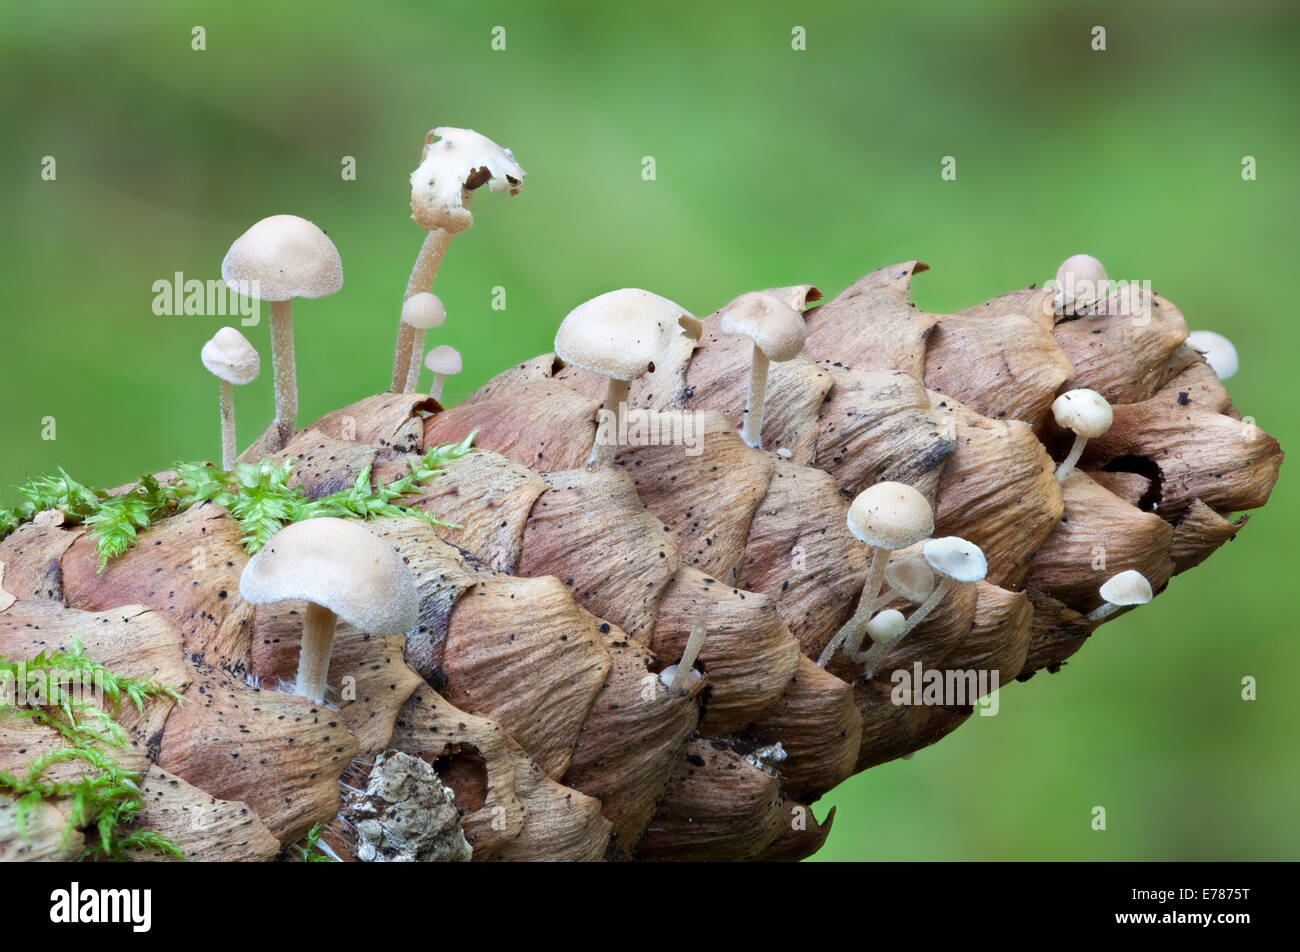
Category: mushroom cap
<point>231,357</point>
<point>1080,278</point>
<point>776,328</point>
<point>886,625</point>
<point>1086,412</point>
<point>1217,351</point>
<point>443,359</point>
<point>451,168</point>
<point>423,311</point>
<point>616,334</point>
<point>340,565</point>
<point>956,558</point>
<point>667,674</point>
<point>890,516</point>
<point>911,577</point>
<point>1127,588</point>
<point>283,257</point>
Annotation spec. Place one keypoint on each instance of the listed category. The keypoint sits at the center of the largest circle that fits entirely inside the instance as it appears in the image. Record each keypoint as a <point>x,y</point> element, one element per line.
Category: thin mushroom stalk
<point>752,431</point>
<point>314,658</point>
<point>679,675</point>
<point>423,273</point>
<point>852,631</point>
<point>229,449</point>
<point>1071,458</point>
<point>603,451</point>
<point>232,360</point>
<point>284,369</point>
<point>417,352</point>
<point>439,381</point>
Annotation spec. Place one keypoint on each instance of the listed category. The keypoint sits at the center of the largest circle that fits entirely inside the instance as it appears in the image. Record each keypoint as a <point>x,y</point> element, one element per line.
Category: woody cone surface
<point>530,683</point>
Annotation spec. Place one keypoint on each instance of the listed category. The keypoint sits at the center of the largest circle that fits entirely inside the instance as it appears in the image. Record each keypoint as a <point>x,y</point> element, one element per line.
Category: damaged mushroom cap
<point>1085,412</point>
<point>283,257</point>
<point>616,334</point>
<point>776,328</point>
<point>340,565</point>
<point>890,516</point>
<point>423,311</point>
<point>956,558</point>
<point>451,168</point>
<point>912,578</point>
<point>229,356</point>
<point>1217,351</point>
<point>1126,588</point>
<point>443,359</point>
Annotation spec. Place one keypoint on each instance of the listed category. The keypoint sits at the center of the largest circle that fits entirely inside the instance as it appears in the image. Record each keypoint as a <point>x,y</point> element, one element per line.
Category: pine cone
<point>538,681</point>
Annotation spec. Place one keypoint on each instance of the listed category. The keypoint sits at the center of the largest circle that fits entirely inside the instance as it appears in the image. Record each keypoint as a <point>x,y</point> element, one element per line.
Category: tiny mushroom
<point>1124,590</point>
<point>677,676</point>
<point>887,516</point>
<point>233,360</point>
<point>777,332</point>
<point>957,562</point>
<point>444,361</point>
<point>450,169</point>
<point>910,578</point>
<point>278,259</point>
<point>1080,281</point>
<point>886,630</point>
<point>1217,351</point>
<point>342,570</point>
<point>421,312</point>
<point>1088,415</point>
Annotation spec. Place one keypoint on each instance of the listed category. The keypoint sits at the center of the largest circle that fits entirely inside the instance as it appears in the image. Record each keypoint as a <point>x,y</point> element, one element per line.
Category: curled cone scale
<point>556,594</point>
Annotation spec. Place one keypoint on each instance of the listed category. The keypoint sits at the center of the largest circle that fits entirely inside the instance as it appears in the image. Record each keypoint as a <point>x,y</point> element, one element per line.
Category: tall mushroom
<point>233,360</point>
<point>1080,281</point>
<point>1123,590</point>
<point>1088,415</point>
<point>450,170</point>
<point>616,335</point>
<point>341,570</point>
<point>420,312</point>
<point>777,332</point>
<point>887,516</point>
<point>444,361</point>
<point>278,259</point>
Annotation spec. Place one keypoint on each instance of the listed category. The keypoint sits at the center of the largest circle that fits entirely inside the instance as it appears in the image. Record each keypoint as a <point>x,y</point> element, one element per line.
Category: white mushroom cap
<point>667,675</point>
<point>423,311</point>
<point>340,565</point>
<point>231,357</point>
<point>956,558</point>
<point>617,334</point>
<point>1217,351</point>
<point>449,171</point>
<point>1086,412</point>
<point>1081,279</point>
<point>283,257</point>
<point>890,516</point>
<point>1127,588</point>
<point>886,626</point>
<point>911,577</point>
<point>443,359</point>
<point>776,328</point>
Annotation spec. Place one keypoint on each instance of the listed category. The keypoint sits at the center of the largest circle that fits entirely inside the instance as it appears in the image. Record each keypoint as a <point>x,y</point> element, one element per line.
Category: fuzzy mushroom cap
<point>1080,273</point>
<point>1127,588</point>
<point>886,625</point>
<point>443,359</point>
<point>1217,351</point>
<point>1086,412</point>
<point>451,168</point>
<point>911,577</point>
<point>231,357</point>
<point>775,327</point>
<point>956,558</point>
<point>617,334</point>
<point>423,311</point>
<point>890,516</point>
<point>340,565</point>
<point>283,257</point>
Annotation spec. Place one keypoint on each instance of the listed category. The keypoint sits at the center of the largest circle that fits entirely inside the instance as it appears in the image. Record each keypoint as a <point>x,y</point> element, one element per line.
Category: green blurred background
<point>773,167</point>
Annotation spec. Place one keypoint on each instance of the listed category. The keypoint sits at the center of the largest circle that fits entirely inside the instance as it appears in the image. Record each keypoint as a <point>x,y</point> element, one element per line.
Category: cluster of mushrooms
<point>343,571</point>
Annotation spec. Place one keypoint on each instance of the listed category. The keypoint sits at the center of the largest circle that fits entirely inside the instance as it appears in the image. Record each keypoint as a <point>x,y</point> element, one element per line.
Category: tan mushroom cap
<point>1127,588</point>
<point>616,334</point>
<point>956,558</point>
<point>231,357</point>
<point>776,328</point>
<point>443,359</point>
<point>1086,412</point>
<point>283,257</point>
<point>450,168</point>
<point>340,565</point>
<point>911,577</point>
<point>890,516</point>
<point>423,311</point>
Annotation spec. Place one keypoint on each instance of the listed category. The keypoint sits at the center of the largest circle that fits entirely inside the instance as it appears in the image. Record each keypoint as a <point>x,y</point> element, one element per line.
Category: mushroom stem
<point>615,399</point>
<point>752,431</point>
<point>927,606</point>
<point>314,655</point>
<point>853,629</point>
<point>416,360</point>
<point>228,448</point>
<point>282,366</point>
<point>423,272</point>
<point>1067,464</point>
<point>692,651</point>
<point>870,658</point>
<point>436,390</point>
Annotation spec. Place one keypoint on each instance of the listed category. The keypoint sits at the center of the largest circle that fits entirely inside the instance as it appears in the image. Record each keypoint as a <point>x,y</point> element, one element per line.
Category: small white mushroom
<point>677,676</point>
<point>1088,415</point>
<point>233,360</point>
<point>777,331</point>
<point>421,312</point>
<point>956,561</point>
<point>1080,281</point>
<point>1217,351</point>
<point>1123,590</point>
<point>886,629</point>
<point>444,361</point>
